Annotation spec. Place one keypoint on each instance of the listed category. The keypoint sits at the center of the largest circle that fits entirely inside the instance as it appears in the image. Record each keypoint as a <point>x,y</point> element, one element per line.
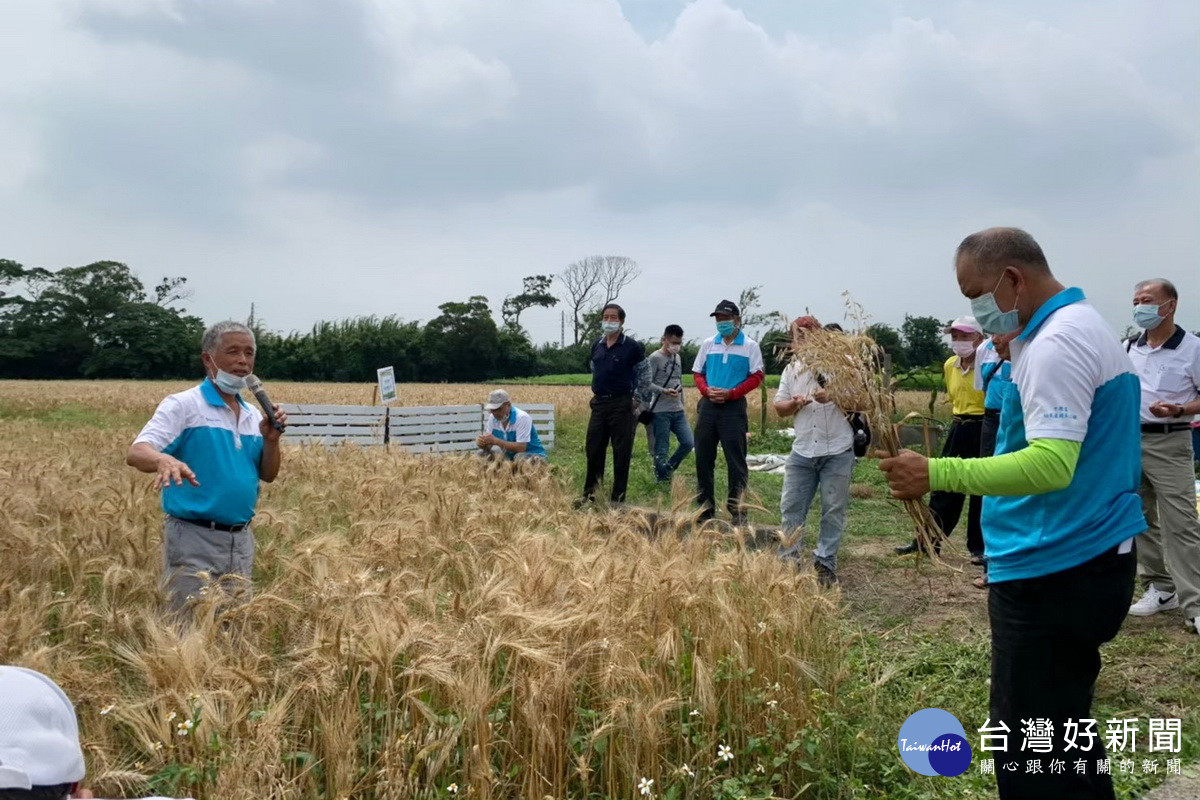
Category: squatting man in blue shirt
<point>208,449</point>
<point>510,434</point>
<point>1061,507</point>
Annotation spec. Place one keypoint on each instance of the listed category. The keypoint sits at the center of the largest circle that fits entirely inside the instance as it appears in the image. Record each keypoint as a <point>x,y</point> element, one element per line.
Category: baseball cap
<point>39,735</point>
<point>496,399</point>
<point>966,325</point>
<point>726,307</point>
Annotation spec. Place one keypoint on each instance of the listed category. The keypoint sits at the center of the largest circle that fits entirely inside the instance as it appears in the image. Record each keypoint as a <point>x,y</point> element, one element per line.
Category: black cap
<point>727,307</point>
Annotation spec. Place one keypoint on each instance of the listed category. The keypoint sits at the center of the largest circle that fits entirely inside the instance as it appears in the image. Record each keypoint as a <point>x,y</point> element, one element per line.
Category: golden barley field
<point>421,626</point>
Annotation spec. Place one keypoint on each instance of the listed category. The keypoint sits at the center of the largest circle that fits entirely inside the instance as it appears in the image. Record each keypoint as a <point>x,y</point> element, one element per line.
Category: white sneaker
<point>1154,601</point>
<point>1193,624</point>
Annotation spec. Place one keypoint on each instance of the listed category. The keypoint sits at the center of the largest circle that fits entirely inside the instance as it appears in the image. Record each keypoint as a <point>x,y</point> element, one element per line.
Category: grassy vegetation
<point>922,380</point>
<point>422,624</point>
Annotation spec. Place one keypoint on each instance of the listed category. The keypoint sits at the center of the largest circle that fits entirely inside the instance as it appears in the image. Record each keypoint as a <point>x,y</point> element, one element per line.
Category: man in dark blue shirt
<point>619,371</point>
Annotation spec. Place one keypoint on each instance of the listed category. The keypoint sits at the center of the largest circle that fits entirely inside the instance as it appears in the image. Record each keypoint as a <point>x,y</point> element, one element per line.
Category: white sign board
<point>387,384</point>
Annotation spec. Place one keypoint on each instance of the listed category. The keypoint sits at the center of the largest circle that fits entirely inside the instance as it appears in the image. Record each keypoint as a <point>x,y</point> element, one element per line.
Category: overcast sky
<point>334,158</point>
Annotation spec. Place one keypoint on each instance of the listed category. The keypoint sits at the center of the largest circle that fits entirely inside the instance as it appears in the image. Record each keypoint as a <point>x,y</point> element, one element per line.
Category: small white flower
<point>604,644</point>
<point>452,788</point>
<point>104,712</point>
<point>688,771</point>
<point>695,712</point>
<point>762,627</point>
<point>644,787</point>
<point>60,594</point>
<point>760,769</point>
<point>170,717</point>
<point>776,687</point>
<point>724,753</point>
<point>156,746</point>
<point>772,704</point>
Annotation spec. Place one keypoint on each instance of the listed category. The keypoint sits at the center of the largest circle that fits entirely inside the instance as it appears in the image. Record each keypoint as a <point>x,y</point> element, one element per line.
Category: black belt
<point>968,417</point>
<point>1165,427</point>
<point>991,413</point>
<point>626,395</point>
<point>216,526</point>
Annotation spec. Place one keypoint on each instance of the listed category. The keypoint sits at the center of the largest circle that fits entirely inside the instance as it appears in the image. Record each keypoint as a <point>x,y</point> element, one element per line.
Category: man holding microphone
<point>208,450</point>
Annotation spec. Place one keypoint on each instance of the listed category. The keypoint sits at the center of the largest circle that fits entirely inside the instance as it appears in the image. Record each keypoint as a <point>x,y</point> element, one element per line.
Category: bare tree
<point>592,278</point>
<point>617,272</point>
<point>581,281</point>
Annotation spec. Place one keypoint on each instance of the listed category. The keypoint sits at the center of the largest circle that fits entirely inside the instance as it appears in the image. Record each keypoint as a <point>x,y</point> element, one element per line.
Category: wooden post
<point>762,417</point>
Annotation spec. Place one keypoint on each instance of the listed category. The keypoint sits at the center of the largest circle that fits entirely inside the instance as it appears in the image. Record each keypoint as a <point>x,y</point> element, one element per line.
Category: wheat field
<point>421,626</point>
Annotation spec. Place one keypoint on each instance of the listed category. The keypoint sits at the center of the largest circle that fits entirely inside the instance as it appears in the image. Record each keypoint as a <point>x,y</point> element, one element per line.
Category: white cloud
<point>449,147</point>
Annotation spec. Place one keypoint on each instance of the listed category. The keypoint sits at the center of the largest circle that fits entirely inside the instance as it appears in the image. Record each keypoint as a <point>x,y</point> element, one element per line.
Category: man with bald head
<point>1061,507</point>
<point>1167,360</point>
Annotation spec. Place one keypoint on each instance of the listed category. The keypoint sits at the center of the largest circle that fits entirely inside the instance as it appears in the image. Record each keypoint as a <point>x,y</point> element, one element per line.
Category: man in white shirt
<point>1166,359</point>
<point>822,456</point>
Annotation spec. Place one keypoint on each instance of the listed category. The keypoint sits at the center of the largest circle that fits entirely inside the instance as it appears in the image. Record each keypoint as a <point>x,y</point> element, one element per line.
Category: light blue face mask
<point>726,327</point>
<point>230,384</point>
<point>1145,316</point>
<point>610,328</point>
<point>989,316</point>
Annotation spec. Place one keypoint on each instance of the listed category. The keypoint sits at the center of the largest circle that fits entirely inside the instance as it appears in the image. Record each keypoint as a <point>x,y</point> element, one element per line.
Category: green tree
<point>536,292</point>
<point>463,342</point>
<point>923,341</point>
<point>888,339</point>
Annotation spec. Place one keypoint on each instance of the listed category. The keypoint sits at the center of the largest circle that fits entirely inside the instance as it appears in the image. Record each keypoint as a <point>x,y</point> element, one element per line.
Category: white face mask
<point>963,349</point>
<point>610,327</point>
<point>230,384</point>
<point>673,349</point>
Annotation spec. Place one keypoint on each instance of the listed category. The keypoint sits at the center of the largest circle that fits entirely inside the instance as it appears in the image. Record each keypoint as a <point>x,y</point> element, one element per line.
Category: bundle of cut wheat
<point>851,369</point>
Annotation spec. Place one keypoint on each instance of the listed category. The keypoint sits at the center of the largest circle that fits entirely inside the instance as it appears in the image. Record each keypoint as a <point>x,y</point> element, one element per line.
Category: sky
<point>325,159</point>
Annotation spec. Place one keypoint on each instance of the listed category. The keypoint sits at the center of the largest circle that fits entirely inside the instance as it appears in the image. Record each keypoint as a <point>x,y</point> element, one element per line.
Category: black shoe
<point>911,548</point>
<point>825,576</point>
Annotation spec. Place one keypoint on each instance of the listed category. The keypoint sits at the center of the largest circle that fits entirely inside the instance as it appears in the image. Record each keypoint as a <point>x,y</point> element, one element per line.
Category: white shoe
<point>1193,624</point>
<point>1154,601</point>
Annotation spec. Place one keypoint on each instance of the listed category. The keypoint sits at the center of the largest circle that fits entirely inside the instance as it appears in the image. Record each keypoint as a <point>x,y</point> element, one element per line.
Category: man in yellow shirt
<point>964,437</point>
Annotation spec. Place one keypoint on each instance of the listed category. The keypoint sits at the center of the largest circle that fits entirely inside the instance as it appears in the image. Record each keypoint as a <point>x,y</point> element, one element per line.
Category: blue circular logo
<point>933,742</point>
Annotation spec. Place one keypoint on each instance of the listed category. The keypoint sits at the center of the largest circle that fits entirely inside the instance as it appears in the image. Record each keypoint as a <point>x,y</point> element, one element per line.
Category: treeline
<point>100,321</point>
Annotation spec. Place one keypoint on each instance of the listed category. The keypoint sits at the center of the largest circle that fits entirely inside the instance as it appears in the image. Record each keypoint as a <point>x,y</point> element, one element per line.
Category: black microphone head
<point>253,383</point>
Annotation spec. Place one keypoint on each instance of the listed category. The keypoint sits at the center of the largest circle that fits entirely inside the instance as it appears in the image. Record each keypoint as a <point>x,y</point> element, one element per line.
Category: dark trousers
<point>612,420</point>
<point>725,423</point>
<point>962,441</point>
<point>987,437</point>
<point>1046,637</point>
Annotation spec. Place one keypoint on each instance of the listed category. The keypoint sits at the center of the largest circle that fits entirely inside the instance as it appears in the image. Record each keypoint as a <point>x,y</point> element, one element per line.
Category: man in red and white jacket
<point>728,367</point>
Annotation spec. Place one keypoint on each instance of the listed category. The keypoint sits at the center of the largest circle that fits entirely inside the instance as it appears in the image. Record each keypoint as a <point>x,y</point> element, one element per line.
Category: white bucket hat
<point>39,735</point>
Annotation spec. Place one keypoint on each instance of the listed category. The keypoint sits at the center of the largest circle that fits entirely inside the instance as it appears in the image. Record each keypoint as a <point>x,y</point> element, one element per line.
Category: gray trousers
<point>1169,550</point>
<point>802,477</point>
<point>195,557</point>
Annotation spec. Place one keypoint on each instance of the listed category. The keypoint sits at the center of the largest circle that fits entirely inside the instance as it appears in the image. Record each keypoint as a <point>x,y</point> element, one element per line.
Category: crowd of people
<point>1071,451</point>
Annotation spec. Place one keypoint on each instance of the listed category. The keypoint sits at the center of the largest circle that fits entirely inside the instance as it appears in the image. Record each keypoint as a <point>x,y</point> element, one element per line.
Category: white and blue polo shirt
<point>1072,381</point>
<point>518,428</point>
<point>993,376</point>
<point>724,366</point>
<point>199,429</point>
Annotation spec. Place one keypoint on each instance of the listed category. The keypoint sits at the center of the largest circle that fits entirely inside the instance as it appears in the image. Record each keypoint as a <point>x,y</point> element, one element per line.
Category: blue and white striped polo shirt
<point>724,366</point>
<point>199,429</point>
<point>518,427</point>
<point>1072,381</point>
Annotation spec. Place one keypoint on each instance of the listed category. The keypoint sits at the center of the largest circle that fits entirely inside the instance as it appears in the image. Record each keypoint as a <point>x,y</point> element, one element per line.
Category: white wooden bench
<point>417,429</point>
<point>435,429</point>
<point>363,425</point>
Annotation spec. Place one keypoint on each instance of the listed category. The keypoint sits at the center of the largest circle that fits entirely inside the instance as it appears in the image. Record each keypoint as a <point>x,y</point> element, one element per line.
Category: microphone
<point>260,394</point>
